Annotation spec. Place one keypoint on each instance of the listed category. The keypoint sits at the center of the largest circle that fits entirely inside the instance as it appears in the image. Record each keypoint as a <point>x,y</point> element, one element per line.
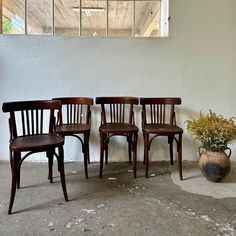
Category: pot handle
<point>229,152</point>
<point>200,151</point>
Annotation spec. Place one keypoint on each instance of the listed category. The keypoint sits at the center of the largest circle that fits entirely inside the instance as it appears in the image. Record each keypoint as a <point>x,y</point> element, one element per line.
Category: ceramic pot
<point>214,165</point>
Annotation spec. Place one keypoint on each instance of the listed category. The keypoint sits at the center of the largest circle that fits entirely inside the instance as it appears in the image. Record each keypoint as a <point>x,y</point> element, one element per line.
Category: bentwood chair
<point>31,131</point>
<point>74,120</point>
<point>117,119</point>
<point>159,119</point>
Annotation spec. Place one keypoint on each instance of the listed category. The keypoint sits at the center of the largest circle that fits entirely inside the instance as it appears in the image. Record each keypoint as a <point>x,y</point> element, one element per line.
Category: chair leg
<point>135,153</point>
<point>15,163</point>
<point>11,157</point>
<point>18,170</point>
<point>180,156</point>
<point>106,149</point>
<point>50,165</point>
<point>146,152</point>
<point>86,154</point>
<point>170,141</point>
<point>101,154</point>
<point>88,158</point>
<point>129,139</point>
<point>60,161</point>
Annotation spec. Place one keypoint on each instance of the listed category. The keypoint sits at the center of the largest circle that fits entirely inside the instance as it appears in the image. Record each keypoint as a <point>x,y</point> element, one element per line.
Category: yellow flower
<point>214,132</point>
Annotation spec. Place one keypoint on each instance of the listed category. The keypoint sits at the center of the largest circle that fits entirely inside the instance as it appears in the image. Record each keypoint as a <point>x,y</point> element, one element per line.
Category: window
<point>92,18</point>
<point>13,17</point>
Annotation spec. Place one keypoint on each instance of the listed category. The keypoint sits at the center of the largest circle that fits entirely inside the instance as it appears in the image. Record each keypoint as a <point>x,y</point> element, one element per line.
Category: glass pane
<point>39,17</point>
<point>147,18</point>
<point>120,18</point>
<point>66,17</point>
<point>93,18</point>
<point>13,21</point>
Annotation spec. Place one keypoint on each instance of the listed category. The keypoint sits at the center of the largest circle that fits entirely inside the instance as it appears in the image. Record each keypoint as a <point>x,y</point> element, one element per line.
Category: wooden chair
<point>73,120</point>
<point>158,119</point>
<point>31,130</point>
<point>117,119</point>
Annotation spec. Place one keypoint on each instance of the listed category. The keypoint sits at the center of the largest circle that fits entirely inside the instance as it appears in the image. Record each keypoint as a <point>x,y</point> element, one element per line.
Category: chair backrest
<point>159,110</point>
<point>117,109</point>
<point>75,110</point>
<point>31,117</point>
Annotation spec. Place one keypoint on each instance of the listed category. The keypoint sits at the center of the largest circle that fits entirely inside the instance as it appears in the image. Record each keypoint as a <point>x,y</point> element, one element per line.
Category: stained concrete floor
<point>117,204</point>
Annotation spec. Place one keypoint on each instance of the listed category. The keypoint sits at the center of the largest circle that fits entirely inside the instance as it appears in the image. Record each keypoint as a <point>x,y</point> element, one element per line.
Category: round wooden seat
<point>162,129</point>
<point>118,128</point>
<point>36,142</point>
<point>69,129</point>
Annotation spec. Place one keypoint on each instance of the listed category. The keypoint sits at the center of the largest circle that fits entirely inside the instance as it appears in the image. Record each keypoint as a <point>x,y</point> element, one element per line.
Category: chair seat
<point>69,129</point>
<point>162,129</point>
<point>40,142</point>
<point>118,128</point>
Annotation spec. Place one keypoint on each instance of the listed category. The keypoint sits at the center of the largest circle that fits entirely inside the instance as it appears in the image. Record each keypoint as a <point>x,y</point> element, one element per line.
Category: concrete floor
<point>117,204</point>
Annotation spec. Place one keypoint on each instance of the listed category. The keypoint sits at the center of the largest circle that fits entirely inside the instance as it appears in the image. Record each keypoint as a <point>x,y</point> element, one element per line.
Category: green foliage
<point>7,26</point>
<point>213,131</point>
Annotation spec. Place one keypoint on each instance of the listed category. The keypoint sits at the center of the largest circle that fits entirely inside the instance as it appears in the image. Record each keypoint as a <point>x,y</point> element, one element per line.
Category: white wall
<point>197,62</point>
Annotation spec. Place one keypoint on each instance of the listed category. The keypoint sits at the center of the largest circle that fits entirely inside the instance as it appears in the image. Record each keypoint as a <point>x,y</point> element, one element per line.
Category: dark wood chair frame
<point>114,123</point>
<point>75,121</point>
<point>33,138</point>
<point>158,126</point>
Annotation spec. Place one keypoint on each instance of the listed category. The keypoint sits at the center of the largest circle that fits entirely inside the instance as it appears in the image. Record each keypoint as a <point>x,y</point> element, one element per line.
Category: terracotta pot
<point>214,165</point>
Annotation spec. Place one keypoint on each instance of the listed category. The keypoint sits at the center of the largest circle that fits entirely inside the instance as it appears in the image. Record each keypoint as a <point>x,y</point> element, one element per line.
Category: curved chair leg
<point>86,154</point>
<point>180,156</point>
<point>135,153</point>
<point>15,163</point>
<point>50,165</point>
<point>170,141</point>
<point>101,154</point>
<point>60,161</point>
<point>146,151</point>
<point>129,139</point>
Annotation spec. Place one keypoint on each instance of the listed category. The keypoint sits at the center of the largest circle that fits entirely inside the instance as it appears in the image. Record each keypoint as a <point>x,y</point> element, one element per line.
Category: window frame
<point>164,19</point>
<point>1,17</point>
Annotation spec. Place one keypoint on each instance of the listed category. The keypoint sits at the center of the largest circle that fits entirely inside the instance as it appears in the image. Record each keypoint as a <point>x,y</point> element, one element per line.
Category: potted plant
<point>214,133</point>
